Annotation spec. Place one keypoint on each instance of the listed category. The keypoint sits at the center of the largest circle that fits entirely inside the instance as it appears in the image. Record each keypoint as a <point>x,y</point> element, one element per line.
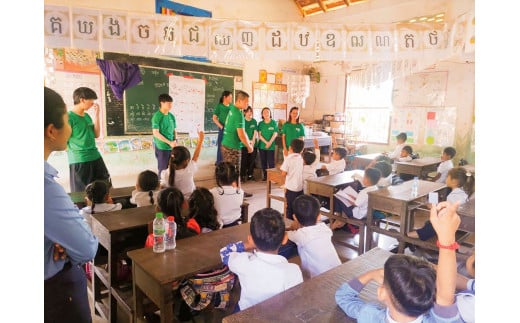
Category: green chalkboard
<point>141,100</point>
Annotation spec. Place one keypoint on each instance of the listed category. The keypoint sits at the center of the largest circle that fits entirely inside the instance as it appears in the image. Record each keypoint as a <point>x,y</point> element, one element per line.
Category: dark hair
<point>97,192</point>
<point>148,182</point>
<point>464,179</point>
<point>342,152</point>
<point>384,167</point>
<point>402,136</point>
<point>169,201</point>
<point>270,114</point>
<point>83,93</point>
<point>225,174</point>
<point>248,109</point>
<point>309,157</point>
<point>298,118</point>
<point>408,149</point>
<point>306,209</point>
<point>165,97</point>
<point>241,95</point>
<point>384,159</point>
<point>179,155</point>
<point>202,208</point>
<point>297,145</point>
<point>411,283</point>
<point>373,175</point>
<point>267,229</point>
<point>53,108</point>
<point>224,94</point>
<point>450,151</point>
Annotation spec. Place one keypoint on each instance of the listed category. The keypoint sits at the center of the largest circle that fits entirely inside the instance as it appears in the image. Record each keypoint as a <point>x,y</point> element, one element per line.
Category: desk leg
<point>268,196</point>
<point>166,305</point>
<point>138,298</point>
<point>370,220</point>
<point>404,227</point>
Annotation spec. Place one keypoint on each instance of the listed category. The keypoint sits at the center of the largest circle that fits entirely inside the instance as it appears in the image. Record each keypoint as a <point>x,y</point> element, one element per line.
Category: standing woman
<point>267,132</point>
<point>219,118</point>
<point>68,241</point>
<point>292,129</point>
<point>248,159</point>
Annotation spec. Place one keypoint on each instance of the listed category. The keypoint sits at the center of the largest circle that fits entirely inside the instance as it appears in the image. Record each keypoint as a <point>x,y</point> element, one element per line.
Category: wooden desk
<point>154,273</point>
<point>117,231</point>
<point>314,299</point>
<point>418,167</point>
<point>398,200</point>
<point>362,161</point>
<point>467,216</point>
<point>78,198</point>
<point>274,175</point>
<point>323,141</point>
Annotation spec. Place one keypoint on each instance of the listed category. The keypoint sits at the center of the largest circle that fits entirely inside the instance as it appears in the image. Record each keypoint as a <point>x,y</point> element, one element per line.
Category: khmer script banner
<point>235,41</point>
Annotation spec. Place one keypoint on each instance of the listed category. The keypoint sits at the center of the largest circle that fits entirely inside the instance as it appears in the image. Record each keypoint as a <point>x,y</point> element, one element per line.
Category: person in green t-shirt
<point>267,133</point>
<point>85,162</point>
<point>292,129</point>
<point>248,159</point>
<point>219,118</point>
<point>164,132</point>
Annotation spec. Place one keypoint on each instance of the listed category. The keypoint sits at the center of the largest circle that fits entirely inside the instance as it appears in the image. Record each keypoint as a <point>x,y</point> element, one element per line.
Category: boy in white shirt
<point>338,164</point>
<point>262,272</point>
<point>292,170</point>
<point>446,164</point>
<point>313,237</point>
<point>401,139</point>
<point>406,154</point>
<point>310,164</point>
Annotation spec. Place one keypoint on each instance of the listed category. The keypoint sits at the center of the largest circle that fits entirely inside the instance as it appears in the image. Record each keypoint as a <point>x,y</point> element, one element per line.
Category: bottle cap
<point>171,218</point>
<point>159,215</point>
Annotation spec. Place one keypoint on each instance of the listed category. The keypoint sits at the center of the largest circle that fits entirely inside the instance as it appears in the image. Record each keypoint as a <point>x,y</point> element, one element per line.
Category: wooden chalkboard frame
<point>114,125</point>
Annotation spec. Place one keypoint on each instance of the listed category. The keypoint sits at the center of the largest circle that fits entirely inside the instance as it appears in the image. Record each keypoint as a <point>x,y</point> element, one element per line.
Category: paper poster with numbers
<point>407,120</point>
<point>189,95</point>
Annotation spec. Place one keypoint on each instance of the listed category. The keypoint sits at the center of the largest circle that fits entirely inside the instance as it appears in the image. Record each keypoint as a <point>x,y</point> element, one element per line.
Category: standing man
<point>164,132</point>
<point>85,162</point>
<point>234,133</point>
<point>219,118</point>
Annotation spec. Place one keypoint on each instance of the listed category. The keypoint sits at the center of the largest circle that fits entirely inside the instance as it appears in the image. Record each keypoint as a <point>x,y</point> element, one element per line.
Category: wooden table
<point>117,231</point>
<point>397,199</point>
<point>418,167</point>
<point>78,198</point>
<point>314,299</point>
<point>362,161</point>
<point>467,216</point>
<point>154,273</point>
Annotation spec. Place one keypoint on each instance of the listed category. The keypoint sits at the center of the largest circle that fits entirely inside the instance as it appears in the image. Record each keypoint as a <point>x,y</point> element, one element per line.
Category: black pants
<point>290,196</point>
<point>248,163</point>
<point>163,159</point>
<point>267,159</point>
<point>82,174</point>
<point>65,296</point>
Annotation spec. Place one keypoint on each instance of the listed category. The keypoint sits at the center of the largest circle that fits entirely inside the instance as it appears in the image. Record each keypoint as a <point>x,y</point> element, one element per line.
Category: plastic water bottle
<point>171,233</point>
<point>415,186</point>
<point>159,227</point>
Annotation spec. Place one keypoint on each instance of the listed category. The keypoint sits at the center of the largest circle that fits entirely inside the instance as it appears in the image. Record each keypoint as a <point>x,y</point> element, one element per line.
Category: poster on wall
<point>188,103</point>
<point>426,89</point>
<point>440,126</point>
<point>407,120</point>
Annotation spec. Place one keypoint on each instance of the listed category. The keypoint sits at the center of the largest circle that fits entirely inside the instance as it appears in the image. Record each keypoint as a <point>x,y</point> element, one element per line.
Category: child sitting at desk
<point>406,154</point>
<point>446,164</point>
<point>409,288</point>
<point>227,195</point>
<point>98,200</point>
<point>292,170</point>
<point>401,139</point>
<point>262,272</point>
<point>338,164</point>
<point>202,210</point>
<point>312,237</point>
<point>146,189</point>
<point>310,164</point>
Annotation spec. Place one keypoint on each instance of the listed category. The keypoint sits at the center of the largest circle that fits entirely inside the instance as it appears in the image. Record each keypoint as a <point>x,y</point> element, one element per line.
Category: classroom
<point>360,73</point>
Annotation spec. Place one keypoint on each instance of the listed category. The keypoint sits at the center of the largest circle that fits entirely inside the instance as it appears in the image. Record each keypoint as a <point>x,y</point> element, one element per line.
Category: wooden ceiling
<point>313,7</point>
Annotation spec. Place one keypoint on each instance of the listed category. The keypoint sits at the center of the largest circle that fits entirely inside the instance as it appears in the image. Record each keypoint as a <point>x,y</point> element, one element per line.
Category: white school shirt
<point>141,198</point>
<point>405,159</point>
<point>86,212</point>
<point>336,166</point>
<point>293,165</point>
<point>443,169</point>
<point>262,275</point>
<point>227,203</point>
<point>457,195</point>
<point>317,253</point>
<point>309,171</point>
<point>361,208</point>
<point>385,181</point>
<point>183,178</point>
<point>397,151</point>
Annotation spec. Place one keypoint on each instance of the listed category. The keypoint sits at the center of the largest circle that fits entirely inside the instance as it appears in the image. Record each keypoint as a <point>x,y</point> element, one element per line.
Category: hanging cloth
<point>119,75</point>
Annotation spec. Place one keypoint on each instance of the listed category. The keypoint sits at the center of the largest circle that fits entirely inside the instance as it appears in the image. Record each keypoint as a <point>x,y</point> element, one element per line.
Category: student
<point>202,209</point>
<point>85,162</point>
<point>228,196</point>
<point>164,130</point>
<point>310,164</point>
<point>386,174</point>
<point>462,185</point>
<point>146,189</point>
<point>182,168</point>
<point>262,272</point>
<point>292,170</point>
<point>409,288</point>
<point>171,202</point>
<point>219,118</point>
<point>446,164</point>
<point>406,154</point>
<point>292,129</point>
<point>267,133</point>
<point>338,164</point>
<point>248,159</point>
<point>312,237</point>
<point>401,140</point>
<point>68,241</point>
<point>98,200</point>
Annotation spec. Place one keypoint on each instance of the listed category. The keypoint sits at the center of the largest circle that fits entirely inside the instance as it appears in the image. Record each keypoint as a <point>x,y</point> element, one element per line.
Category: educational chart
<point>426,89</point>
<point>188,103</point>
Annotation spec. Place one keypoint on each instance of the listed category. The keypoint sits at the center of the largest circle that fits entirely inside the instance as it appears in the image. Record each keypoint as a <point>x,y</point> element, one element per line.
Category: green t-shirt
<point>250,127</point>
<point>267,130</point>
<point>221,111</point>
<point>166,125</point>
<point>81,146</point>
<point>292,131</point>
<point>235,119</point>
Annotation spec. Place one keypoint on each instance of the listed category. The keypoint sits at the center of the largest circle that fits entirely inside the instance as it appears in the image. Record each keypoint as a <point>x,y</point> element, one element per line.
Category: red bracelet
<point>453,246</point>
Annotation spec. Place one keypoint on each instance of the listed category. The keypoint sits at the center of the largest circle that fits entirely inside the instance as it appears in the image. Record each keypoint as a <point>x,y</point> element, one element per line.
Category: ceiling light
<point>413,20</point>
<point>439,20</point>
<point>430,19</point>
<point>439,15</point>
<point>423,18</point>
